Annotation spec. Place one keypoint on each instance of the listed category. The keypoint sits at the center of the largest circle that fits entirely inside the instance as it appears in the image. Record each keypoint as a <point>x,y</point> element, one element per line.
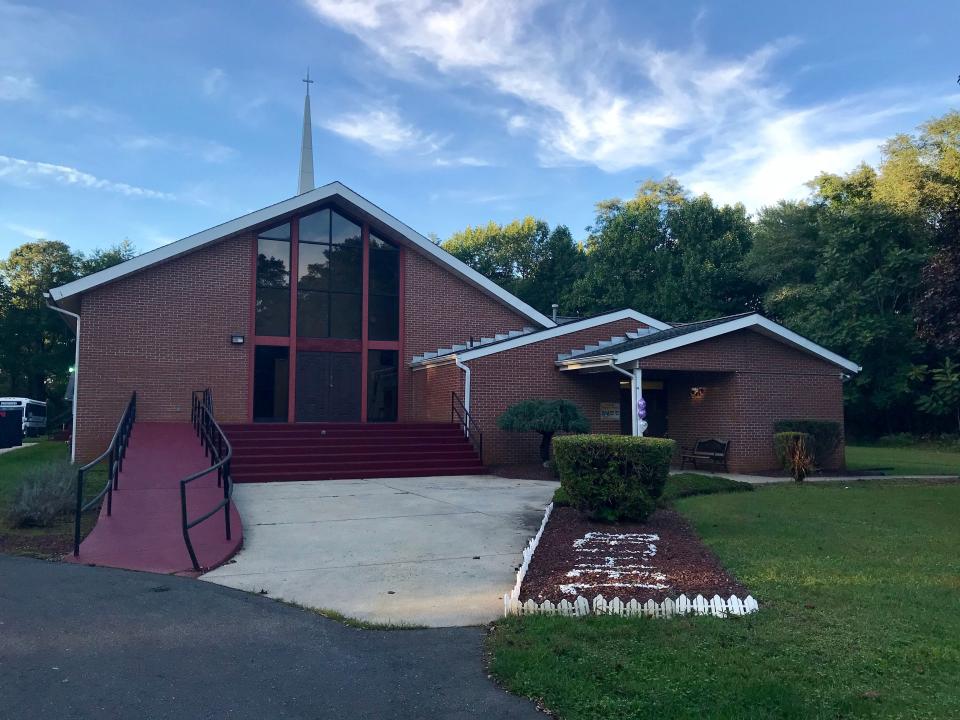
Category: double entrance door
<point>328,386</point>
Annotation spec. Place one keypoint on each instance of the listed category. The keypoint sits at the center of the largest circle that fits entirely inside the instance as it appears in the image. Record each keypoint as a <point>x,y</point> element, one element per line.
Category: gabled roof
<point>689,333</point>
<point>333,190</point>
<point>651,339</point>
<point>464,352</point>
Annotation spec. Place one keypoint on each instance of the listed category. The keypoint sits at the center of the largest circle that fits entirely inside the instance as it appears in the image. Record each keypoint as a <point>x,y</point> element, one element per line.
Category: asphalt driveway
<point>437,551</point>
<point>84,642</point>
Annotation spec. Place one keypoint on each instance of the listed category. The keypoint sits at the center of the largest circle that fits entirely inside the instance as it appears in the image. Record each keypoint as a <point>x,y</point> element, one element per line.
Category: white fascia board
<point>750,321</point>
<point>553,332</point>
<point>219,232</point>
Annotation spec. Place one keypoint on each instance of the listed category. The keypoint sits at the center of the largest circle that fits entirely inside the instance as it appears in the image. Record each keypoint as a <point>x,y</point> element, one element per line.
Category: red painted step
<point>326,451</point>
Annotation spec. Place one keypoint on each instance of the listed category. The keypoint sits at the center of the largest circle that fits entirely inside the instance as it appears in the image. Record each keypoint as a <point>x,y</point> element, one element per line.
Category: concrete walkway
<point>79,642</point>
<point>437,551</point>
<point>145,530</point>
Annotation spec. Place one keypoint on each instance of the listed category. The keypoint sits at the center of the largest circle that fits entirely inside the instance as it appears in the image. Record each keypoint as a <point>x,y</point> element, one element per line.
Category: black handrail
<point>218,449</point>
<point>115,452</point>
<point>471,430</point>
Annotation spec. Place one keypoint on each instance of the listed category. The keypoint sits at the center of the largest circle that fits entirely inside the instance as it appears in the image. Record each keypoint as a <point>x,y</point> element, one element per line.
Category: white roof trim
<point>219,232</point>
<point>556,331</point>
<point>768,327</point>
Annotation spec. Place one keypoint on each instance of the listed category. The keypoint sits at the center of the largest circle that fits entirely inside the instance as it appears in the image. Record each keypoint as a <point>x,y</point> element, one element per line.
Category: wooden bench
<point>707,451</point>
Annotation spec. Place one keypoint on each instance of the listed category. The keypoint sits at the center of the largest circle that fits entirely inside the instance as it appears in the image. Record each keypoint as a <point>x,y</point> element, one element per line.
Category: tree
<point>525,257</point>
<point>669,255</point>
<point>944,397</point>
<point>36,348</point>
<point>938,306</point>
<point>546,417</point>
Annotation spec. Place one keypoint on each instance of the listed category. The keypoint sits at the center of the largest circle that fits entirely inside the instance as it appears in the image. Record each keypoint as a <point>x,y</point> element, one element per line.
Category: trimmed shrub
<point>783,443</point>
<point>680,485</point>
<point>46,493</point>
<point>560,497</point>
<point>613,477</point>
<point>546,417</point>
<point>824,436</point>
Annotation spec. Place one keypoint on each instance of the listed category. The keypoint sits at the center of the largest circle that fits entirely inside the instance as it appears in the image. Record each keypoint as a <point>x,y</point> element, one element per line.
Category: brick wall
<point>442,310</point>
<point>165,332</point>
<point>430,392</point>
<point>502,379</point>
<point>753,381</point>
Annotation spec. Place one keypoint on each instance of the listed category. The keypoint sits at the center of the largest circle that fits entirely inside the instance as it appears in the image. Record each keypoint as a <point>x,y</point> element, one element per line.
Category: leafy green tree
<point>938,307</point>
<point>525,257</point>
<point>944,396</point>
<point>36,348</point>
<point>547,417</point>
<point>667,254</point>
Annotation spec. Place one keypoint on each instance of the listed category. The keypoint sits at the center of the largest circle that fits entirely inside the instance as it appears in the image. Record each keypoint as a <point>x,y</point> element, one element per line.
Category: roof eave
<point>285,207</point>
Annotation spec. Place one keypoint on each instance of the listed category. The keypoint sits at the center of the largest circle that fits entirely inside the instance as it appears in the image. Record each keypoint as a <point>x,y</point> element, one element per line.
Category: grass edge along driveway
<point>858,586</point>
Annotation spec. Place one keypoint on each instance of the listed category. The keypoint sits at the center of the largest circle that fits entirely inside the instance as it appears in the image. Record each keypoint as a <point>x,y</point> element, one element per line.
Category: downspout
<point>466,392</point>
<point>52,304</point>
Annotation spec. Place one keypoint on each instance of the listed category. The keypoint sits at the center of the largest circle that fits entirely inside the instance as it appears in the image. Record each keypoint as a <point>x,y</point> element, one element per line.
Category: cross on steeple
<point>307,80</point>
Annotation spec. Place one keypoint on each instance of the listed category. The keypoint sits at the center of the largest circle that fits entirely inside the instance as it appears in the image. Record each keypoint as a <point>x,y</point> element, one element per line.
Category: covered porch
<point>682,405</point>
<point>729,379</point>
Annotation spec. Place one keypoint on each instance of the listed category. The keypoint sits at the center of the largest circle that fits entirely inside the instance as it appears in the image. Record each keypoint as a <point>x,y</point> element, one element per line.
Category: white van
<point>34,414</point>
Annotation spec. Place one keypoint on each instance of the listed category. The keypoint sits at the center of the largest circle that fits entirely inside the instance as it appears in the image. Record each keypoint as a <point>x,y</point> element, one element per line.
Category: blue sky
<point>153,121</point>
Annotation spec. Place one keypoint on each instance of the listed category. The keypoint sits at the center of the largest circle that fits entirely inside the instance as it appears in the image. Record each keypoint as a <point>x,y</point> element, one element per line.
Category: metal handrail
<point>116,451</point>
<point>218,449</point>
<point>471,429</point>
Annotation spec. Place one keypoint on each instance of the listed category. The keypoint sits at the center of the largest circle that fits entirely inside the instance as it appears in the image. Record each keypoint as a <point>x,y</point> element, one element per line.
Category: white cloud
<point>620,108</point>
<point>462,161</point>
<point>17,87</point>
<point>214,82</point>
<point>27,173</point>
<point>31,233</point>
<point>772,158</point>
<point>591,93</point>
<point>384,131</point>
<point>209,151</point>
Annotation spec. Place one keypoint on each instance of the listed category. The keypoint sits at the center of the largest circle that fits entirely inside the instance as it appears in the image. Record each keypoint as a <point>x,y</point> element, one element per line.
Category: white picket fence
<point>600,606</point>
<point>527,556</point>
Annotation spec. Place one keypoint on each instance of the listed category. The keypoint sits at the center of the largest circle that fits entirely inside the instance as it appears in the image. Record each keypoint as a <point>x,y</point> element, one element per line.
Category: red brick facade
<point>751,381</point>
<point>443,310</point>
<point>502,379</point>
<point>165,332</point>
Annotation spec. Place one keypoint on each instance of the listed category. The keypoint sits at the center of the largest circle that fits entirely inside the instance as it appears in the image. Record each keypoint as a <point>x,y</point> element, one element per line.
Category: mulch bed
<point>660,558</point>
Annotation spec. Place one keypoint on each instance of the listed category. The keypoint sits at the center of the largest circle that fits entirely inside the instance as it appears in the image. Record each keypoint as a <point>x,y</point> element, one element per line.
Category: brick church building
<point>325,316</point>
<point>324,308</point>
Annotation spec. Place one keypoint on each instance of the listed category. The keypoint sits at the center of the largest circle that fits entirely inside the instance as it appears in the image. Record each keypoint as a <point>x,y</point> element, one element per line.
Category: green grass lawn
<point>40,542</point>
<point>859,589</point>
<point>912,460</point>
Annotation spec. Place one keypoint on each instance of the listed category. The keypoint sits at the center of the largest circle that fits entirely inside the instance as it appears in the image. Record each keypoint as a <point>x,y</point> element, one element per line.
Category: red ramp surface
<point>145,532</point>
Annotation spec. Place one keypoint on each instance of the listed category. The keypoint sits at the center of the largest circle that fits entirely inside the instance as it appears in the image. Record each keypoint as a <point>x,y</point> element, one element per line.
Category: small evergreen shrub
<point>546,417</point>
<point>47,492</point>
<point>613,477</point>
<point>824,436</point>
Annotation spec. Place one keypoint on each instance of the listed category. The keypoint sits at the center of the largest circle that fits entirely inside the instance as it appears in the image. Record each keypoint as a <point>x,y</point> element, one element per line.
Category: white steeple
<point>306,144</point>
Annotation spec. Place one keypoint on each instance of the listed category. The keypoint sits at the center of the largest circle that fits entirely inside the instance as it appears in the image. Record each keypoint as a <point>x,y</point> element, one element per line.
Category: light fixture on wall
<point>237,339</point>
<point>697,393</point>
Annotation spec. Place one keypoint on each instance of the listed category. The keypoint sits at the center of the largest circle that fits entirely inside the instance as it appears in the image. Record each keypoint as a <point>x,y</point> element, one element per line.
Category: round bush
<point>613,477</point>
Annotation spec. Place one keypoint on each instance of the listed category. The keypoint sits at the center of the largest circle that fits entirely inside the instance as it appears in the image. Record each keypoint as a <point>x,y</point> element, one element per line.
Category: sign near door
<point>609,411</point>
